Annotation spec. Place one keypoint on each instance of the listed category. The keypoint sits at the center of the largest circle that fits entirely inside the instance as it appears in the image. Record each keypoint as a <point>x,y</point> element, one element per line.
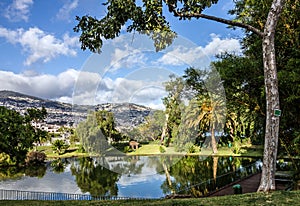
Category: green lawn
<point>154,149</point>
<point>70,152</point>
<point>257,199</point>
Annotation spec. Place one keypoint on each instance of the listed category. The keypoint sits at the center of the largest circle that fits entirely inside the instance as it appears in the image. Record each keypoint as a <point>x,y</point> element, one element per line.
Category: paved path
<point>248,185</point>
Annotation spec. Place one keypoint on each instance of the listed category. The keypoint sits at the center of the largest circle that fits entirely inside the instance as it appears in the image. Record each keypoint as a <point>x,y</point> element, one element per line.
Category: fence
<point>28,195</point>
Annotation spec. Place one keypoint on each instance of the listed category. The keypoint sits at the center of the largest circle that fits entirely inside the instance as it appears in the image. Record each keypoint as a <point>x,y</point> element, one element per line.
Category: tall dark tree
<point>172,103</point>
<point>17,133</point>
<point>148,18</point>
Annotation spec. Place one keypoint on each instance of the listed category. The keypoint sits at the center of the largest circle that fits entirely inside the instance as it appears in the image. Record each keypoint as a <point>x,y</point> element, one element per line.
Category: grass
<point>70,152</point>
<point>257,199</point>
<point>154,149</point>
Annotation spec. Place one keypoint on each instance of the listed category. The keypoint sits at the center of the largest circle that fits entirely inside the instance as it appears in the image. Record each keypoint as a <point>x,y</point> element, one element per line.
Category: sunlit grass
<point>153,148</point>
<point>70,152</point>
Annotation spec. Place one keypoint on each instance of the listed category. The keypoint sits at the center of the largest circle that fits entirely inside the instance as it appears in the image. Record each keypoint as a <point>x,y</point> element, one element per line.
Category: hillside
<point>127,115</point>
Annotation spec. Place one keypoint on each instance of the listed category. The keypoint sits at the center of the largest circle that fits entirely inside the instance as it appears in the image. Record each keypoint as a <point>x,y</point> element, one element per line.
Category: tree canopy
<point>148,18</point>
<point>17,134</point>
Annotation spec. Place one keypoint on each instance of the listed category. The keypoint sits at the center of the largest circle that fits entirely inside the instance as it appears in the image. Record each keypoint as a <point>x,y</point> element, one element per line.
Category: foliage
<point>60,146</point>
<point>162,149</point>
<point>173,103</point>
<point>257,17</point>
<point>5,159</point>
<point>59,165</point>
<point>97,132</point>
<point>94,178</point>
<point>17,134</point>
<point>105,121</point>
<point>151,129</point>
<point>35,157</point>
<point>287,51</point>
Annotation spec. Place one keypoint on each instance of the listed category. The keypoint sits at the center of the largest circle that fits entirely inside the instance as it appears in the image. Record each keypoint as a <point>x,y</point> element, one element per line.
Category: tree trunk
<point>267,182</point>
<point>165,129</point>
<point>213,139</point>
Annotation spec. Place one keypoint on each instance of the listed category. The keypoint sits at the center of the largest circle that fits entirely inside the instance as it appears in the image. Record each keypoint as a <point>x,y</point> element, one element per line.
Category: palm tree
<point>206,113</point>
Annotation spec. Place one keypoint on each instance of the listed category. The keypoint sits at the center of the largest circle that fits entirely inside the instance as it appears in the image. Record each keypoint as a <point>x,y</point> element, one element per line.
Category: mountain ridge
<point>127,115</point>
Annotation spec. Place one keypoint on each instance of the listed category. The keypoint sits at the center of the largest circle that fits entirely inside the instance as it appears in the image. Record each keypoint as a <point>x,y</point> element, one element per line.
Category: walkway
<point>248,185</point>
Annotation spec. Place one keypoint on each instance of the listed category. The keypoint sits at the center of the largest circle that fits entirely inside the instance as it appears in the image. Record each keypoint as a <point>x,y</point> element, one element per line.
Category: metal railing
<point>29,195</point>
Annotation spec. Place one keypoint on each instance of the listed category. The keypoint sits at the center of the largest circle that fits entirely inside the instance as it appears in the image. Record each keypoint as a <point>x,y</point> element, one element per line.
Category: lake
<point>130,176</point>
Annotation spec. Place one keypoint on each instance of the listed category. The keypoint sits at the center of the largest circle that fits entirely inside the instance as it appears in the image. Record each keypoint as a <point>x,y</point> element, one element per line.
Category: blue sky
<point>41,55</point>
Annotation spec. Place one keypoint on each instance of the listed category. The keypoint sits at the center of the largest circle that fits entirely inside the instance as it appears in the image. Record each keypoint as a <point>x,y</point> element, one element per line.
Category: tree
<point>59,145</point>
<point>148,18</point>
<point>94,178</point>
<point>97,132</point>
<point>17,134</point>
<point>106,123</point>
<point>173,103</point>
<point>36,116</point>
<point>242,79</point>
<point>210,114</point>
<point>151,129</point>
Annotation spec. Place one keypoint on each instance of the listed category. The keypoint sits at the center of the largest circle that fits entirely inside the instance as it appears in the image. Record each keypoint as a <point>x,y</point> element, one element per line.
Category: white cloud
<point>217,45</point>
<point>18,10</point>
<point>181,55</point>
<point>126,57</point>
<point>39,45</point>
<point>84,88</point>
<point>40,85</point>
<point>67,8</point>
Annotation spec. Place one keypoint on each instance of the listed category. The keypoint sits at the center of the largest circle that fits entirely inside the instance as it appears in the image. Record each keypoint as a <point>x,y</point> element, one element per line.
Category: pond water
<point>129,176</point>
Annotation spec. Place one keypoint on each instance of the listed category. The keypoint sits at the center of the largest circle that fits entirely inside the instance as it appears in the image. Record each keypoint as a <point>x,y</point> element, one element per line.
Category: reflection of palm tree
<point>59,165</point>
<point>215,167</point>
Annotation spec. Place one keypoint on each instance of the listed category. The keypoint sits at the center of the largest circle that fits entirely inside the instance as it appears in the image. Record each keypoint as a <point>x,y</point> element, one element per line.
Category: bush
<point>162,149</point>
<point>5,159</point>
<point>35,157</point>
<point>81,149</point>
<point>191,148</point>
<point>127,149</point>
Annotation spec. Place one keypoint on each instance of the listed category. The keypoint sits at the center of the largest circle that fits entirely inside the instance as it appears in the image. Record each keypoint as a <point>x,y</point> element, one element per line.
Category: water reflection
<point>137,176</point>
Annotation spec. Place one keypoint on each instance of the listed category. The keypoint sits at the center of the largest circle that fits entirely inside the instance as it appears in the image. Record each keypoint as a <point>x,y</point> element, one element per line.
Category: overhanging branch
<point>217,19</point>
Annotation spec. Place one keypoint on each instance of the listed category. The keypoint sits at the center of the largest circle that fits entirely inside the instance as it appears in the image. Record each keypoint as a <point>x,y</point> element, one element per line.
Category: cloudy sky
<point>41,55</point>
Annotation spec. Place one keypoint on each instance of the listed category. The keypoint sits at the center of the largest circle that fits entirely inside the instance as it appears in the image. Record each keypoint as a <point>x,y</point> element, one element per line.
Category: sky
<point>41,54</point>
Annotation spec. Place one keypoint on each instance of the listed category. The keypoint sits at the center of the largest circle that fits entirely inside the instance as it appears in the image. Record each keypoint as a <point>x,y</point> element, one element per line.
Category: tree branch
<point>217,19</point>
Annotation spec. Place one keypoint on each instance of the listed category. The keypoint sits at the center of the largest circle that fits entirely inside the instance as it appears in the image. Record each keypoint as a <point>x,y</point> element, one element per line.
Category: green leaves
<point>16,132</point>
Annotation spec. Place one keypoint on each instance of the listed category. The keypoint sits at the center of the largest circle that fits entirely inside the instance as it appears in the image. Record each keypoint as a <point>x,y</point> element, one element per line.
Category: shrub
<point>191,148</point>
<point>127,149</point>
<point>5,159</point>
<point>35,157</point>
<point>162,149</point>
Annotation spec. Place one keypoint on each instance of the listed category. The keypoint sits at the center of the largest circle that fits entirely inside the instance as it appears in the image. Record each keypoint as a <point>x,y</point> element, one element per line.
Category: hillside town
<point>62,118</point>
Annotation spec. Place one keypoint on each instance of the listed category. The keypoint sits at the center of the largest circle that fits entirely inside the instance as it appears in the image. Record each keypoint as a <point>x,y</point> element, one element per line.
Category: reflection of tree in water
<point>94,178</point>
<point>18,172</point>
<point>129,165</point>
<point>59,165</point>
<point>190,171</point>
<point>36,170</point>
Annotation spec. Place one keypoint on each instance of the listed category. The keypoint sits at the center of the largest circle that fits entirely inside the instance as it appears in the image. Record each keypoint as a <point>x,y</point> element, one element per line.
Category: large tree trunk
<point>267,182</point>
<point>165,129</point>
